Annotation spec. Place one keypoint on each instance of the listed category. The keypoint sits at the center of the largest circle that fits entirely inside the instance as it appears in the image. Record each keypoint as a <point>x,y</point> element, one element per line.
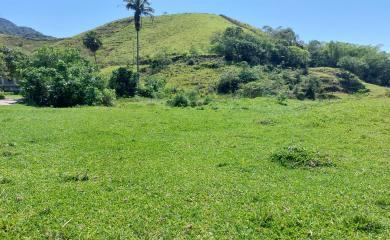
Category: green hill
<point>177,33</point>
<point>23,44</point>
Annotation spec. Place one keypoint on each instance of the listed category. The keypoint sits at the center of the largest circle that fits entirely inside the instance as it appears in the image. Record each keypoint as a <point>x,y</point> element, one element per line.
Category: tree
<point>140,8</point>
<point>11,62</point>
<point>63,78</point>
<point>92,42</point>
<point>124,82</point>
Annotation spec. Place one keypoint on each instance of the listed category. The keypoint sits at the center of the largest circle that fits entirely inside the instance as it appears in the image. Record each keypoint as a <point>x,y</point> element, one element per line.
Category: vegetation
<point>124,82</point>
<point>369,63</point>
<point>237,45</point>
<point>298,156</point>
<point>93,43</point>
<point>62,78</point>
<point>11,62</point>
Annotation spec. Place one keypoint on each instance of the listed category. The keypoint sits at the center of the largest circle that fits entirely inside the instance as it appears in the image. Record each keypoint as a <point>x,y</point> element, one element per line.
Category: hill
<point>175,34</point>
<point>9,28</point>
<point>178,33</point>
<point>23,44</point>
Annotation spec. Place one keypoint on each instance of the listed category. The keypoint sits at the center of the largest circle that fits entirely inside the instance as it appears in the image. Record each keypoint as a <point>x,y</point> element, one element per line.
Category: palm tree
<point>140,8</point>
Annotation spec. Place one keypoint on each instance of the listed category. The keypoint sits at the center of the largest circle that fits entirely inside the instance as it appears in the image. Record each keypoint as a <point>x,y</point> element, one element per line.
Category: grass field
<point>145,170</point>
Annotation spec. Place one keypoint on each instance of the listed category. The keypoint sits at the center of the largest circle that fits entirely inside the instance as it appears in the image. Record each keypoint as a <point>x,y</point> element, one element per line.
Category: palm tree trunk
<point>94,55</point>
<point>138,53</point>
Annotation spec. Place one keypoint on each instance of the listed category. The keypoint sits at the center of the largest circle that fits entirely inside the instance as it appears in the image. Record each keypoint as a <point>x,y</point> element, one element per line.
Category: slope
<point>9,28</point>
<point>177,33</point>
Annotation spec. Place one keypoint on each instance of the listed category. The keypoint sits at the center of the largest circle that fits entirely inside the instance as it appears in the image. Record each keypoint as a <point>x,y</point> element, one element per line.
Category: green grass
<point>145,170</point>
<point>25,45</point>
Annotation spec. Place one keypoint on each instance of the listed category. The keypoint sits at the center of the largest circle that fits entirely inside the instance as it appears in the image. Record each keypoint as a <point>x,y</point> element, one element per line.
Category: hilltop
<point>174,34</point>
<point>9,28</point>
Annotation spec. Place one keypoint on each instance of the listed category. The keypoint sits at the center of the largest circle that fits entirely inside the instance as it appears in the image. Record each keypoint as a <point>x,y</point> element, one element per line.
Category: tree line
<point>281,47</point>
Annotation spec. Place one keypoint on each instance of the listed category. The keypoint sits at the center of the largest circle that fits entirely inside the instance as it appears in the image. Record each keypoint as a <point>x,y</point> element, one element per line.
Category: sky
<point>357,21</point>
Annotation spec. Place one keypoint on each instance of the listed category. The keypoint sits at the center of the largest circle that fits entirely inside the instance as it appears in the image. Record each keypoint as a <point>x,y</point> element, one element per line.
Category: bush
<point>124,82</point>
<point>309,88</point>
<point>2,95</point>
<point>160,61</point>
<point>297,156</point>
<point>350,83</point>
<point>282,98</point>
<point>152,88</point>
<point>60,78</point>
<point>228,83</point>
<point>258,89</point>
<point>248,75</point>
<point>109,97</point>
<point>179,100</point>
<point>190,98</point>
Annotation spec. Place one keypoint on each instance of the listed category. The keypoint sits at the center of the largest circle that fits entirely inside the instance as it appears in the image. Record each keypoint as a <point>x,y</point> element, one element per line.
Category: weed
<point>297,156</point>
<point>75,178</point>
<point>365,224</point>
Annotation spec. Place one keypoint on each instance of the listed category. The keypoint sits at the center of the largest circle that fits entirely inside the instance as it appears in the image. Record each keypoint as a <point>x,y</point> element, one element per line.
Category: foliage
<point>179,100</point>
<point>124,81</point>
<point>262,88</point>
<point>60,78</point>
<point>282,98</point>
<point>152,87</point>
<point>188,99</point>
<point>298,156</point>
<point>350,83</point>
<point>285,36</point>
<point>368,63</point>
<point>92,42</point>
<point>229,83</point>
<point>160,61</point>
<point>237,45</point>
<point>2,95</point>
<point>11,62</point>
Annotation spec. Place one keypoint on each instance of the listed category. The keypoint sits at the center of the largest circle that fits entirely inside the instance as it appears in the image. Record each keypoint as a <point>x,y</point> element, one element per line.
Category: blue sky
<point>356,21</point>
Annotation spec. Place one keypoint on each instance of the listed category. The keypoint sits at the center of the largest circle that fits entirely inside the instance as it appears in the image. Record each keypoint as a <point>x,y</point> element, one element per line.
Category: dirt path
<point>7,102</point>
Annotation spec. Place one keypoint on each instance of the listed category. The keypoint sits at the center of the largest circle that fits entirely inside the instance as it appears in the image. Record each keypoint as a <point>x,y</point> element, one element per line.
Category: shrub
<point>309,88</point>
<point>258,89</point>
<point>350,83</point>
<point>190,98</point>
<point>282,98</point>
<point>60,78</point>
<point>297,156</point>
<point>152,88</point>
<point>179,100</point>
<point>109,97</point>
<point>228,83</point>
<point>160,61</point>
<point>124,82</point>
<point>2,95</point>
<point>248,75</point>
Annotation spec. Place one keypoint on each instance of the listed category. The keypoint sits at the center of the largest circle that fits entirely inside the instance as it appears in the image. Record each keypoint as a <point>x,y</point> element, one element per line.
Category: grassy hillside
<point>25,45</point>
<point>172,33</point>
<point>143,170</point>
<point>177,33</point>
